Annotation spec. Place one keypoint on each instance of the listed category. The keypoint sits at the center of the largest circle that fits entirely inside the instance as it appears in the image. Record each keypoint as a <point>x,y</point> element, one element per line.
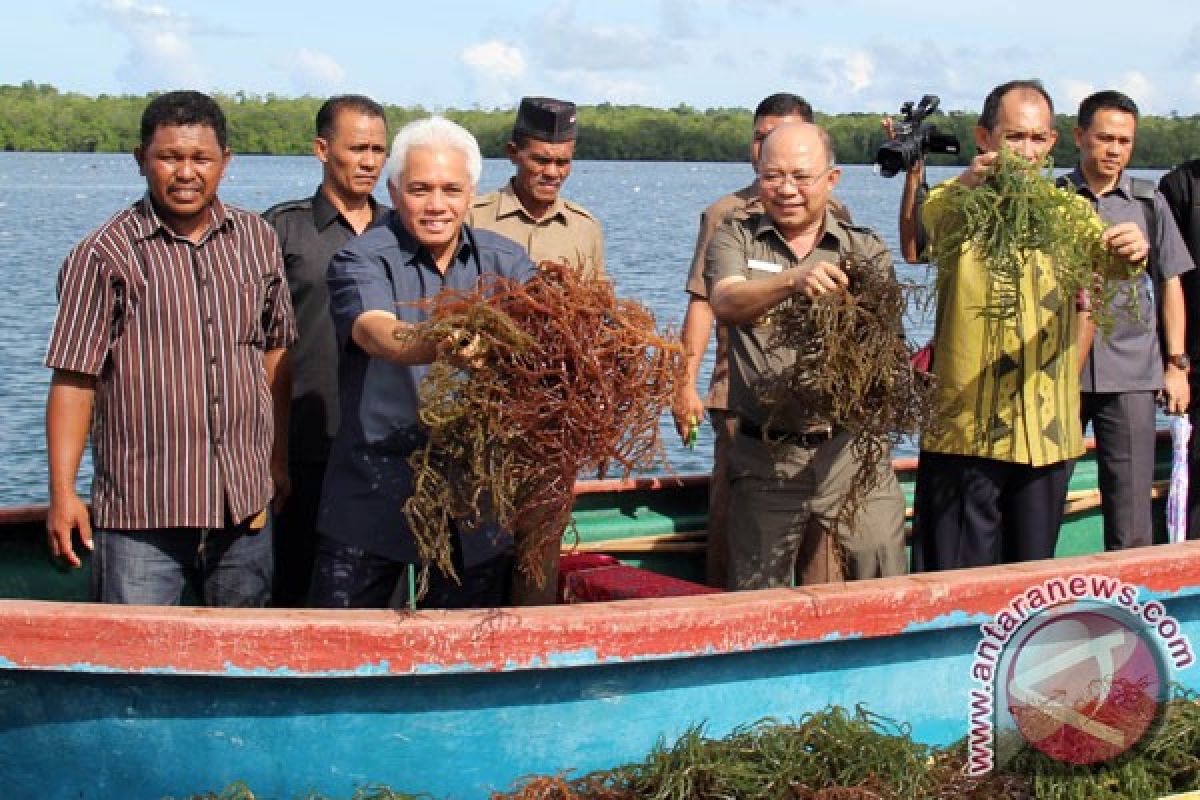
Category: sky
<point>843,56</point>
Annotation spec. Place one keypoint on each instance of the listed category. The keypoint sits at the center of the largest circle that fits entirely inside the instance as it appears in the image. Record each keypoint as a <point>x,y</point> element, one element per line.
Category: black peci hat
<point>545,119</point>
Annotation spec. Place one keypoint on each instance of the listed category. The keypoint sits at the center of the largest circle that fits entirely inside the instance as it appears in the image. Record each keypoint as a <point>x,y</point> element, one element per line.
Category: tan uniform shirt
<point>749,245</point>
<point>568,231</point>
<point>743,200</point>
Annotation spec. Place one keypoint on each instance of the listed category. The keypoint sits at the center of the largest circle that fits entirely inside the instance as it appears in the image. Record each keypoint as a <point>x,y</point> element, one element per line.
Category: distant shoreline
<point>40,118</point>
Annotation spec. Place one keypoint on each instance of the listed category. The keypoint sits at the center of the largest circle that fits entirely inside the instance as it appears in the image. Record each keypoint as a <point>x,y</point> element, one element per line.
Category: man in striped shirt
<point>173,319</point>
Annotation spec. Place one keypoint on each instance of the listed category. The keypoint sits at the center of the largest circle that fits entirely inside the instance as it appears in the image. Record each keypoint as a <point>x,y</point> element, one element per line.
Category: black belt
<point>810,439</point>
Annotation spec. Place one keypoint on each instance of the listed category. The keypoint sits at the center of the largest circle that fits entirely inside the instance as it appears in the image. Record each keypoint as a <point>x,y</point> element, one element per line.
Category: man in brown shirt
<point>688,408</point>
<point>173,318</point>
<point>790,471</point>
<point>530,209</point>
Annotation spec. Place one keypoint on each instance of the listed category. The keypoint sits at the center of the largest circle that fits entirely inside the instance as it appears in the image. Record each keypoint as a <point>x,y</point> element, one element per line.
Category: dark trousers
<point>350,577</point>
<point>724,425</point>
<point>972,512</point>
<point>296,535</point>
<point>1123,424</point>
<point>1193,505</point>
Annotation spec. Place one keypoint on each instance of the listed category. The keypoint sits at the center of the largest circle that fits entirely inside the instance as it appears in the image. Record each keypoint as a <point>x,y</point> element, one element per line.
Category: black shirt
<point>310,232</point>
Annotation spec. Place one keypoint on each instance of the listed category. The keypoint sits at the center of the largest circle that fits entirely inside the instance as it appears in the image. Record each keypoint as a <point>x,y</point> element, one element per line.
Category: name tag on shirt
<point>765,266</point>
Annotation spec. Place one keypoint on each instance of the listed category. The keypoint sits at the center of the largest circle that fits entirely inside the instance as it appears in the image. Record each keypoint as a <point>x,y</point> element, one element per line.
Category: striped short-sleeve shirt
<point>175,332</point>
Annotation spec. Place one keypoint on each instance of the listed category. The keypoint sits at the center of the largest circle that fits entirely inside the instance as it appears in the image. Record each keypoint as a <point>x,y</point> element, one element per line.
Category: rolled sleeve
<point>88,299</point>
<point>1172,256</point>
<point>279,319</point>
<point>696,282</point>
<point>357,283</point>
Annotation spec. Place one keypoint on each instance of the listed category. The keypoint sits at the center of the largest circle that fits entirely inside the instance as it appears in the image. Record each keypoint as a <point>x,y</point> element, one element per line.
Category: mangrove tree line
<point>38,117</point>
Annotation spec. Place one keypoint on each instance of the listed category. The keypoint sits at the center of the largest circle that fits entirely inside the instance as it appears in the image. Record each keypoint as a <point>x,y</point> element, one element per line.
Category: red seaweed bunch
<point>563,377</point>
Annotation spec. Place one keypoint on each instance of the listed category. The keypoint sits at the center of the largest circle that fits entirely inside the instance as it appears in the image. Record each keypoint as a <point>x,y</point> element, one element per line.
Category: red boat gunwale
<point>85,637</point>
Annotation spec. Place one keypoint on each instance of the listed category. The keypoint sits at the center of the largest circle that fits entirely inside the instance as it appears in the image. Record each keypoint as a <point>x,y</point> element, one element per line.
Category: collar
<point>415,253</point>
<point>148,222</point>
<point>325,213</point>
<point>1124,184</point>
<point>834,229</point>
<point>511,204</point>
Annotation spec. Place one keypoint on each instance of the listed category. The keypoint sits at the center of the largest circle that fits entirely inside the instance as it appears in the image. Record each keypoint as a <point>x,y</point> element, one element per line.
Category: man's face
<point>1106,145</point>
<point>542,169</point>
<point>795,179</point>
<point>354,154</point>
<point>432,195</point>
<point>183,165</point>
<point>762,127</point>
<point>1024,125</point>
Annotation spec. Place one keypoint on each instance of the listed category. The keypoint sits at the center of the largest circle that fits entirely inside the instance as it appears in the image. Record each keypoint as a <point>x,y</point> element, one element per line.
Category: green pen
<point>693,432</point>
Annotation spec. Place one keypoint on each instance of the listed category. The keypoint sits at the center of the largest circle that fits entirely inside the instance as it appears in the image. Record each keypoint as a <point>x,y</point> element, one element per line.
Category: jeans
<point>229,567</point>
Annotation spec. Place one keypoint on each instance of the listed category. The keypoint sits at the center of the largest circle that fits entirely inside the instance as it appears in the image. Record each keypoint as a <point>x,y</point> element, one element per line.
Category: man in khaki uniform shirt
<point>789,471</point>
<point>529,209</point>
<point>688,408</point>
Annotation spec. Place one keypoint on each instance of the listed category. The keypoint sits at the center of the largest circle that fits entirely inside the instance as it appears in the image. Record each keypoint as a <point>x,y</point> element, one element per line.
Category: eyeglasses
<point>773,179</point>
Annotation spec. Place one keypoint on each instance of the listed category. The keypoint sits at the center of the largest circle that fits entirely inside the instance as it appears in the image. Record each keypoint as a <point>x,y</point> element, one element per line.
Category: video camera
<point>914,138</point>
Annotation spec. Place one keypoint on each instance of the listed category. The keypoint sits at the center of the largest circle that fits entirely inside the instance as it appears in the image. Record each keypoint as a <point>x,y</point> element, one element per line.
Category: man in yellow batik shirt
<point>995,463</point>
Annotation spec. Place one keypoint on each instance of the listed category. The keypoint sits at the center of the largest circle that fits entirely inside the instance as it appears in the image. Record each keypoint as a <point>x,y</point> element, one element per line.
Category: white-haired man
<point>421,248</point>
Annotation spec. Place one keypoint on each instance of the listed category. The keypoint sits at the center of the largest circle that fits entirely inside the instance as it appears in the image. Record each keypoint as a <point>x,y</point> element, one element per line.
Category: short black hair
<point>1109,99</point>
<point>784,104</point>
<point>991,104</point>
<point>327,113</point>
<point>184,107</point>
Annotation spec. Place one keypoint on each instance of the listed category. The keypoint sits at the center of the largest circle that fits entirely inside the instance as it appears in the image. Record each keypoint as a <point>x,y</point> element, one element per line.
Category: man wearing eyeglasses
<point>789,471</point>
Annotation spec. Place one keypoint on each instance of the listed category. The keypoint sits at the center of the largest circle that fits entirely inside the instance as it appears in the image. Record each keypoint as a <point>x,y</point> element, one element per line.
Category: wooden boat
<point>102,701</point>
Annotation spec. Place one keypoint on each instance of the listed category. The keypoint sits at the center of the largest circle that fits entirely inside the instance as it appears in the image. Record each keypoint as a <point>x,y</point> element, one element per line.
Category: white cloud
<point>160,48</point>
<point>602,47</point>
<point>836,72</point>
<point>1139,87</point>
<point>858,70</point>
<point>1068,98</point>
<point>495,60</point>
<point>587,87</point>
<point>497,70</point>
<point>314,72</point>
<point>679,18</point>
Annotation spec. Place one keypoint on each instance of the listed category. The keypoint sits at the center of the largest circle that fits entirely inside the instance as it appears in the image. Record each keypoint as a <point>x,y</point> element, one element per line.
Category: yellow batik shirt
<point>1007,389</point>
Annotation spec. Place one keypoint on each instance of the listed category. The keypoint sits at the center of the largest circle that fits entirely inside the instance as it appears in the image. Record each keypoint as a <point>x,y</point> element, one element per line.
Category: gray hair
<point>430,132</point>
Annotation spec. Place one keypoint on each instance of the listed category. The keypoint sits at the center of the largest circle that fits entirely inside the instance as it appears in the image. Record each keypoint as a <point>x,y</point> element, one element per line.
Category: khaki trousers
<point>784,504</point>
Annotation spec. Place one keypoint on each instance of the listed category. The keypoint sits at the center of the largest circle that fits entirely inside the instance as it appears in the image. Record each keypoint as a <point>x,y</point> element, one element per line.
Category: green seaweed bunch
<point>1019,211</point>
<point>853,368</point>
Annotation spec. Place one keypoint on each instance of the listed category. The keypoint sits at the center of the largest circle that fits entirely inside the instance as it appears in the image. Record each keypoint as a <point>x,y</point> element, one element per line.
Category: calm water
<point>49,201</point>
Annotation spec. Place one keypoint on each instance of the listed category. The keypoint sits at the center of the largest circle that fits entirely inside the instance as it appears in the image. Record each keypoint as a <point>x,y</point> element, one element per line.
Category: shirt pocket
<point>252,297</point>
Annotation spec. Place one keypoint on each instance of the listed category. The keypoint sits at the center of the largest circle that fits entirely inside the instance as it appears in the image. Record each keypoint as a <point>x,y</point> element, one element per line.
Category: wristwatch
<point>1180,361</point>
